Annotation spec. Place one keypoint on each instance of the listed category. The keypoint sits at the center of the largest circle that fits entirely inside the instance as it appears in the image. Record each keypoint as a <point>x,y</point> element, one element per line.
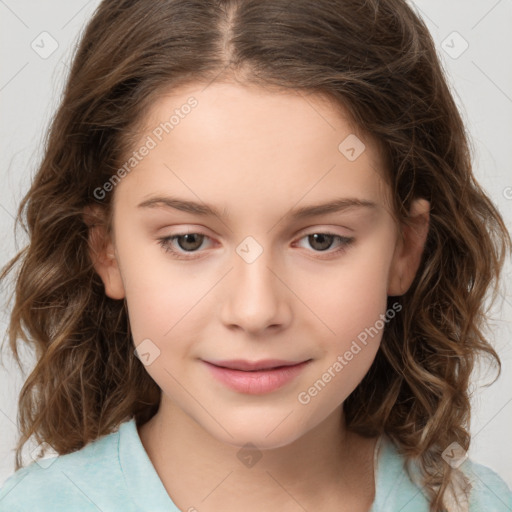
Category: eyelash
<point>165,243</point>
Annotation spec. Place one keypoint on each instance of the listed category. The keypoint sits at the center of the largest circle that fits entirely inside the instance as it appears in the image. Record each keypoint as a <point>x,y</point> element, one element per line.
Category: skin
<point>256,155</point>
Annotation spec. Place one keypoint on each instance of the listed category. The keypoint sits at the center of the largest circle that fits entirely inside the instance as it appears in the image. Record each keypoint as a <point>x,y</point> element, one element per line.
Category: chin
<point>266,434</point>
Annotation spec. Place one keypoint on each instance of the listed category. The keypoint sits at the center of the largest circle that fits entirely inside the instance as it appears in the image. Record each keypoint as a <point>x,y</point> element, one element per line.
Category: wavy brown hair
<point>374,57</point>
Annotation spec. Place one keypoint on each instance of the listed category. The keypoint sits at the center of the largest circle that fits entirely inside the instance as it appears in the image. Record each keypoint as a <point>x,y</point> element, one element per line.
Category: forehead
<point>252,109</point>
<point>237,142</point>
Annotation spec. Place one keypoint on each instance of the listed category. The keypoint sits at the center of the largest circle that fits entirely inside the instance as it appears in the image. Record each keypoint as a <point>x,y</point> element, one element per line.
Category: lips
<point>255,377</point>
<point>251,366</point>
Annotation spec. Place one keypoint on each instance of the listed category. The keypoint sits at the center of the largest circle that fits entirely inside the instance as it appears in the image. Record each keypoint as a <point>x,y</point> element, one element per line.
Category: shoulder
<point>394,486</point>
<point>75,481</point>
<point>489,491</point>
<point>400,488</point>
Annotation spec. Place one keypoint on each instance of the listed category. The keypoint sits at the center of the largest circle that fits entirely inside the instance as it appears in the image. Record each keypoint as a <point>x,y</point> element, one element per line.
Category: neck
<point>327,461</point>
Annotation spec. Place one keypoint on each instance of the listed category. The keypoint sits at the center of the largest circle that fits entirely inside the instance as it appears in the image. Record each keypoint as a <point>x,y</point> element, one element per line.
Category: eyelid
<point>322,228</point>
<point>300,234</point>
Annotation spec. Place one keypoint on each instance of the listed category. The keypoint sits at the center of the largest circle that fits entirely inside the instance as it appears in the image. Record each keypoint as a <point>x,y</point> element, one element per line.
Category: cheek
<point>350,297</point>
<point>351,301</point>
<point>352,308</point>
<point>158,294</point>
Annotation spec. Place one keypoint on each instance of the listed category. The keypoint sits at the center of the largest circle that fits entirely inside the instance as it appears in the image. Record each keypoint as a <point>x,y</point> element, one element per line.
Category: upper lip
<point>264,364</point>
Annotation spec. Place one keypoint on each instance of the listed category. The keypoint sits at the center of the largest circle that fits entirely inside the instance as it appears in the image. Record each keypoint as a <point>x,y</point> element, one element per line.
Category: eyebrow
<point>337,205</point>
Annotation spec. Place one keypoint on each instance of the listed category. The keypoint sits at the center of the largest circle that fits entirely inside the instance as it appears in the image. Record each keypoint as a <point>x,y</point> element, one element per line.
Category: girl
<point>257,268</point>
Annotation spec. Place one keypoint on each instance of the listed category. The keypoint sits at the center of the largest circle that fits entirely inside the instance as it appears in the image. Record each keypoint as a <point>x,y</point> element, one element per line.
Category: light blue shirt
<point>114,473</point>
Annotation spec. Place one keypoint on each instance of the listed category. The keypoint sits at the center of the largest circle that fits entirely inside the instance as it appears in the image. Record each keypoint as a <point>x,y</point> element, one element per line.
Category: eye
<point>187,243</point>
<point>321,242</point>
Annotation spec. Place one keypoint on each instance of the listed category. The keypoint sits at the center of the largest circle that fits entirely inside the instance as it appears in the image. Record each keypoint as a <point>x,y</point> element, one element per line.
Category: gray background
<point>31,80</point>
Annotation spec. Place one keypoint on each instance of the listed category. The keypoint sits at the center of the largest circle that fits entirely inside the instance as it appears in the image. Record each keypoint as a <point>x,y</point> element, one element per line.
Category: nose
<point>255,298</point>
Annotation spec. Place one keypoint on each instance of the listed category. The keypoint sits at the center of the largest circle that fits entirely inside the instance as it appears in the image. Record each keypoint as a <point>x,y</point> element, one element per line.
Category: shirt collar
<point>143,483</point>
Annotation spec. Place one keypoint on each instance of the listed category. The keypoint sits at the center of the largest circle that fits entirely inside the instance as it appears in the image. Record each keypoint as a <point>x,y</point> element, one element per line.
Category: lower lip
<point>257,382</point>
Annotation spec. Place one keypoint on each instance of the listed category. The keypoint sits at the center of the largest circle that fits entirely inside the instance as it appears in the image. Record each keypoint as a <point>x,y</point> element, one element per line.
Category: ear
<point>409,248</point>
<point>102,252</point>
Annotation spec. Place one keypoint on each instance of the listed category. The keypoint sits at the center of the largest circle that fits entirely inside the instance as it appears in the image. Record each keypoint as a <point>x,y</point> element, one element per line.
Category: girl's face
<point>262,274</point>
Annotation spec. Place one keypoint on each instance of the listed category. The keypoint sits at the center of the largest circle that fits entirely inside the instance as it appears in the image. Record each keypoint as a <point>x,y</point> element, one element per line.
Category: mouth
<point>255,377</point>
<point>253,366</point>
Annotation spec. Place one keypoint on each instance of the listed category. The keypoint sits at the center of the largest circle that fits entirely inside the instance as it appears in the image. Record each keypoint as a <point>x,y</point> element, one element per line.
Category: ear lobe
<point>102,252</point>
<point>409,248</point>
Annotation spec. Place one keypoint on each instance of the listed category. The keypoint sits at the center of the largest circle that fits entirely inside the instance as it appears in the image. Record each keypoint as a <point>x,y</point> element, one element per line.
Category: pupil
<point>321,238</point>
<point>189,239</point>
